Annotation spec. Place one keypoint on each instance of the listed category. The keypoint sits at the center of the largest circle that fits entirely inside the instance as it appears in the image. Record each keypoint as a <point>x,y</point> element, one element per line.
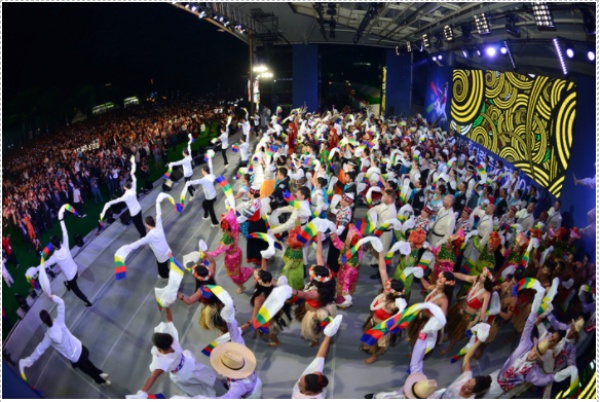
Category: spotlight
<point>448,33</point>
<point>465,53</point>
<point>221,19</point>
<point>426,43</point>
<point>511,26</point>
<point>187,6</point>
<point>503,50</point>
<point>202,14</point>
<point>434,58</point>
<point>490,51</point>
<point>510,56</point>
<point>440,56</point>
<point>591,55</point>
<point>543,17</point>
<point>478,52</point>
<point>570,52</point>
<point>408,46</point>
<point>194,8</point>
<point>397,51</point>
<point>226,23</point>
<point>482,24</point>
<point>561,59</point>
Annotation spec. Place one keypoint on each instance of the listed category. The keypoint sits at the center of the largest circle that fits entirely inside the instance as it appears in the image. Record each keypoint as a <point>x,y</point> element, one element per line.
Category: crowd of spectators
<point>75,163</point>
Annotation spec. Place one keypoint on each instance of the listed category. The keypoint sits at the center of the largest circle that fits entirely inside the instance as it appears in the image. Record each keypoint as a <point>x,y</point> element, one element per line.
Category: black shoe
<point>67,285</point>
<point>369,396</point>
<point>375,276</point>
<point>88,304</point>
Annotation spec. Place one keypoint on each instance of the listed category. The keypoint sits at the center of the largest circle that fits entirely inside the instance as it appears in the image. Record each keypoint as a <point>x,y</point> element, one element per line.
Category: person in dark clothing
<point>282,186</point>
<point>417,198</point>
<point>501,203</point>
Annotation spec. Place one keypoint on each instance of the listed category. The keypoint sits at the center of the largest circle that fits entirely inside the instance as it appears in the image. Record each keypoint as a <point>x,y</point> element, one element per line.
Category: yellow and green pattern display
<point>527,120</point>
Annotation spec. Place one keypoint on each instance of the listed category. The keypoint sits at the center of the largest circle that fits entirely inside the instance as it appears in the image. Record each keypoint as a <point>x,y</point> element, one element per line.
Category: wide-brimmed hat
<point>417,386</point>
<point>233,360</point>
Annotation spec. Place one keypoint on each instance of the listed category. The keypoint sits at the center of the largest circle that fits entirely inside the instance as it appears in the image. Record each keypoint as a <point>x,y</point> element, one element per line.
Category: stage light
<point>202,14</point>
<point>561,59</point>
<point>490,51</point>
<point>426,43</point>
<point>503,50</point>
<point>260,69</point>
<point>511,26</point>
<point>543,16</point>
<point>397,49</point>
<point>448,33</point>
<point>591,55</point>
<point>482,24</point>
<point>408,46</point>
<point>221,19</point>
<point>194,8</point>
<point>434,58</point>
<point>440,56</point>
<point>478,52</point>
<point>570,52</point>
<point>510,56</point>
<point>465,53</point>
<point>226,23</point>
<point>266,75</point>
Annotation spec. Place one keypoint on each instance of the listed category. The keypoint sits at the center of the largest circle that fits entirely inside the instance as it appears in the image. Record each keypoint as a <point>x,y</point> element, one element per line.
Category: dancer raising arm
<point>130,199</point>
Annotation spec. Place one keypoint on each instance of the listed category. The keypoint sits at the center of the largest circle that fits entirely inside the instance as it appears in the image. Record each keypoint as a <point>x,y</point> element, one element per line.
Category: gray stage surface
<point>118,328</point>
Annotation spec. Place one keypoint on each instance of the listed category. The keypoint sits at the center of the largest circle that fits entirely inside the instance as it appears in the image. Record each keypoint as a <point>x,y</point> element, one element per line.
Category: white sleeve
<point>316,365</point>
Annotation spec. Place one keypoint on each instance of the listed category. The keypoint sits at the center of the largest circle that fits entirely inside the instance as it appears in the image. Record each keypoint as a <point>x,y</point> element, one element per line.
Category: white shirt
<point>244,151</point>
<point>317,365</point>
<point>170,361</point>
<point>187,166</point>
<point>130,198</point>
<point>63,256</point>
<point>453,390</point>
<point>59,337</point>
<point>443,227</point>
<point>208,186</point>
<point>76,196</point>
<point>157,241</point>
<point>224,138</point>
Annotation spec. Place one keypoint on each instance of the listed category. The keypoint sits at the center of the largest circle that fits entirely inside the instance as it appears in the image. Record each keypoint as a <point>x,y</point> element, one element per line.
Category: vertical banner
<point>383,93</point>
<point>437,95</point>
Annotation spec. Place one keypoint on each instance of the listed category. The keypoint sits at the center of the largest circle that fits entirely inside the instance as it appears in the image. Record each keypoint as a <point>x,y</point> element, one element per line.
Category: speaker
<point>125,218</point>
<point>167,185</point>
<point>78,240</point>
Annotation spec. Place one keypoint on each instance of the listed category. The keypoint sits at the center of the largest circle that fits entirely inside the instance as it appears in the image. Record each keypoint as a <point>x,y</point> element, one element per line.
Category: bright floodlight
<point>591,55</point>
<point>260,69</point>
<point>266,75</point>
<point>570,53</point>
<point>490,51</point>
<point>503,50</point>
<point>434,58</point>
<point>440,57</point>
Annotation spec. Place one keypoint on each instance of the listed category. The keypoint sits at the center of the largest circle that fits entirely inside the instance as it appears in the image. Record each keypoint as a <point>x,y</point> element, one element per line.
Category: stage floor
<point>118,328</point>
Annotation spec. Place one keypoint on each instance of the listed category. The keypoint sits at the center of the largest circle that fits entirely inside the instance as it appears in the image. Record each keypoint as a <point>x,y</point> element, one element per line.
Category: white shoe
<point>205,219</point>
<point>347,302</point>
<point>215,226</point>
<point>332,328</point>
<point>104,376</point>
<point>227,165</point>
<point>106,383</point>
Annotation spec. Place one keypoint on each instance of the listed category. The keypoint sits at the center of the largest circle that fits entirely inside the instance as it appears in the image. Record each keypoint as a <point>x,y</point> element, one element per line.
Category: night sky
<point>69,44</point>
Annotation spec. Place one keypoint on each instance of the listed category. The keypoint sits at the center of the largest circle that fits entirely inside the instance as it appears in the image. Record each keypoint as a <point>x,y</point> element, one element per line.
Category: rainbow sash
<point>235,148</point>
<point>167,174</point>
<point>308,233</point>
<point>224,184</point>
<point>365,226</point>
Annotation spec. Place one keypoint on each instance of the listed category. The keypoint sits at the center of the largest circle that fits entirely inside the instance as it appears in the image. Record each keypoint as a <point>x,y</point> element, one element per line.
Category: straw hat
<point>578,325</point>
<point>233,360</point>
<point>417,386</point>
<point>542,347</point>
